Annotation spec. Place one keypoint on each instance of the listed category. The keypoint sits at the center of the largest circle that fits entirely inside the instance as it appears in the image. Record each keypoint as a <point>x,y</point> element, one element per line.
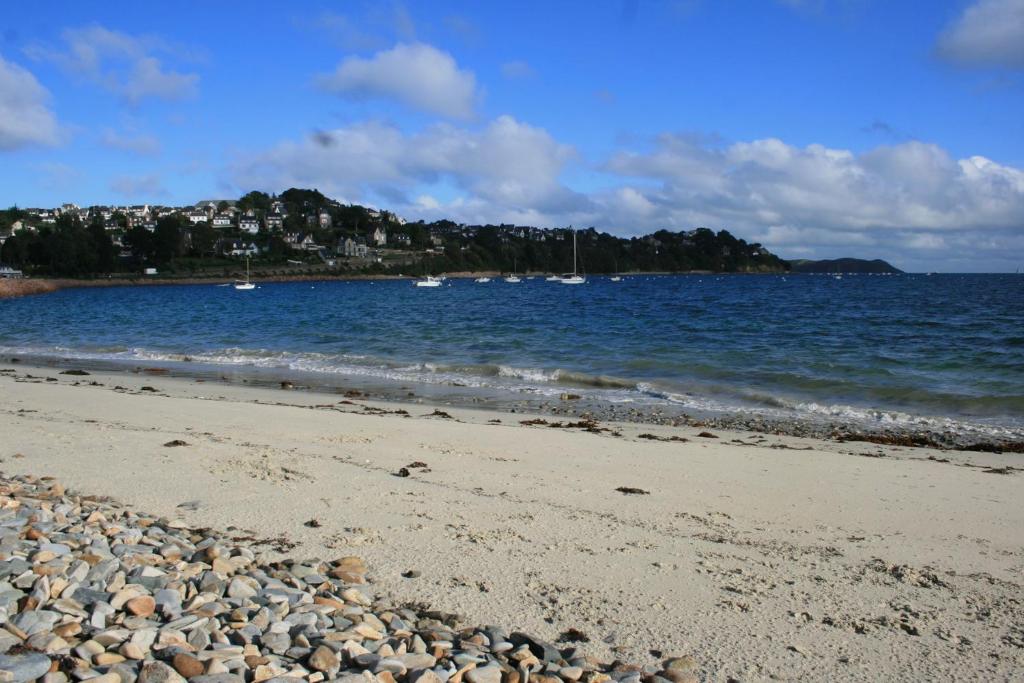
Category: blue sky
<point>819,127</point>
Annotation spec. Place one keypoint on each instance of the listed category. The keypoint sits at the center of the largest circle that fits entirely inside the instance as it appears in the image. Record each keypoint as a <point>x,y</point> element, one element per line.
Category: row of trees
<point>492,249</point>
<point>71,248</point>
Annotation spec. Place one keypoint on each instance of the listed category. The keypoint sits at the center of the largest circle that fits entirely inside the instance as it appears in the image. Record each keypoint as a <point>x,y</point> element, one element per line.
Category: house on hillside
<point>301,241</point>
<point>379,236</point>
<point>249,224</point>
<point>275,221</point>
<point>239,248</point>
<point>222,220</point>
<point>401,240</point>
<point>196,216</point>
<point>352,248</point>
<point>324,219</point>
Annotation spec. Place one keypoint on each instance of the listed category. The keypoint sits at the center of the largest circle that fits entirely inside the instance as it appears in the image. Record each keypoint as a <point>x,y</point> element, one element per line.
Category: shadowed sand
<point>761,556</point>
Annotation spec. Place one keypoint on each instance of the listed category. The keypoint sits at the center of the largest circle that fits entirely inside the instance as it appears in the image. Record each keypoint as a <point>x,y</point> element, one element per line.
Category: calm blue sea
<point>945,351</point>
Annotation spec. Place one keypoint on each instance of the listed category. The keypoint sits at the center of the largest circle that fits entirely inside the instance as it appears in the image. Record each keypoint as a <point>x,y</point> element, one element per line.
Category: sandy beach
<point>763,557</point>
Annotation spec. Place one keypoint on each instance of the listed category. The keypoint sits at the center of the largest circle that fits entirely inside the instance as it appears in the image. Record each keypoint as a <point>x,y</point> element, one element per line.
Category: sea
<point>935,353</point>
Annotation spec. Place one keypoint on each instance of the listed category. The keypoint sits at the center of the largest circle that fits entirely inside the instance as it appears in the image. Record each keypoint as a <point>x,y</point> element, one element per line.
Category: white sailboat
<point>482,279</point>
<point>245,284</point>
<point>512,278</point>
<point>573,278</point>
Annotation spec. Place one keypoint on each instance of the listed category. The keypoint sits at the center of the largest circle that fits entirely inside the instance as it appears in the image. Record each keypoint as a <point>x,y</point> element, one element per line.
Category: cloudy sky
<point>880,129</point>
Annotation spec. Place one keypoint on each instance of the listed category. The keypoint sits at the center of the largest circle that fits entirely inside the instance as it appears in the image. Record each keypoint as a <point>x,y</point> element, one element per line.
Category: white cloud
<point>901,202</point>
<point>506,170</point>
<point>139,144</point>
<point>910,200</point>
<point>417,74</point>
<point>25,117</point>
<point>516,69</point>
<point>988,33</point>
<point>120,63</point>
<point>912,185</point>
<point>138,186</point>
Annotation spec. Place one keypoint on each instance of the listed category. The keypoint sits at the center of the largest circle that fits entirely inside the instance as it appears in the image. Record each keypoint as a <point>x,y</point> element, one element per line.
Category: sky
<point>820,128</point>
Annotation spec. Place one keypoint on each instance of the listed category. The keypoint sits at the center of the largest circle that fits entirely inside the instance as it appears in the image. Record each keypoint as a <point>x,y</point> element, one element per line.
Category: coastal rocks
<point>92,590</point>
<point>26,667</point>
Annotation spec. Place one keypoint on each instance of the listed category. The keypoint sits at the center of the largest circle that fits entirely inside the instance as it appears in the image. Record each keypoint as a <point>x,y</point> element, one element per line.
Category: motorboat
<point>429,281</point>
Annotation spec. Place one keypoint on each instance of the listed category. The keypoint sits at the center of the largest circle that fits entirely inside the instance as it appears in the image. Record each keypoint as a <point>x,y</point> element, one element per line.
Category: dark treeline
<point>75,247</point>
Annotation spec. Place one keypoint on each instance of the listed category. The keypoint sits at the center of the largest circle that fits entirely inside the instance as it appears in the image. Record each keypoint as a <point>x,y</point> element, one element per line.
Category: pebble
<point>133,598</point>
<point>26,667</point>
<point>142,606</point>
<point>484,674</point>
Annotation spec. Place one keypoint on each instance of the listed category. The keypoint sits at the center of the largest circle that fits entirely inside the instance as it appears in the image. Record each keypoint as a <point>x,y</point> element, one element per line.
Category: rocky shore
<point>11,288</point>
<point>91,589</point>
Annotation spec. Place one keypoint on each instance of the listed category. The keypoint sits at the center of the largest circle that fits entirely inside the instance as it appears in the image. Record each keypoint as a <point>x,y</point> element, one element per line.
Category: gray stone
<point>484,674</point>
<point>21,668</point>
<point>158,672</point>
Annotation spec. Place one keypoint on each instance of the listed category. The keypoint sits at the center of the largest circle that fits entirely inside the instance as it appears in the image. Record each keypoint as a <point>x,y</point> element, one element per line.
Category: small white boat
<point>573,278</point>
<point>245,284</point>
<point>429,281</point>
<point>553,278</point>
<point>513,279</point>
<point>482,280</point>
<point>616,278</point>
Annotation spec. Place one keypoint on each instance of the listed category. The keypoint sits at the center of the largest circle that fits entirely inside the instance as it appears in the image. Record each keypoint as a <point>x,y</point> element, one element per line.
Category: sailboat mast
<point>573,252</point>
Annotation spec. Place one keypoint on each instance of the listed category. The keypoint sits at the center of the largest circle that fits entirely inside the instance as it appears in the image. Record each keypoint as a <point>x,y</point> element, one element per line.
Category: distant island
<point>302,233</point>
<point>843,265</point>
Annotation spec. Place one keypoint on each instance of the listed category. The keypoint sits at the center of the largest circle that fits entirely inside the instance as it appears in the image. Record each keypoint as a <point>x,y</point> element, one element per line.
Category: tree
<point>204,239</point>
<point>102,245</point>
<point>140,241</point>
<point>168,240</point>
<point>259,201</point>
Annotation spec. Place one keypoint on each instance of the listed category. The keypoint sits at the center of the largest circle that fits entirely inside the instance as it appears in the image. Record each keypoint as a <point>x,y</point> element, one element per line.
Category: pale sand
<point>762,562</point>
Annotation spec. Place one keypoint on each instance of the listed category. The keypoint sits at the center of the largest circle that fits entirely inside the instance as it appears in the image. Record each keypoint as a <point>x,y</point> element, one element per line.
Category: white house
<point>222,220</point>
<point>353,248</point>
<point>379,236</point>
<point>300,240</point>
<point>249,224</point>
<point>197,216</point>
<point>241,249</point>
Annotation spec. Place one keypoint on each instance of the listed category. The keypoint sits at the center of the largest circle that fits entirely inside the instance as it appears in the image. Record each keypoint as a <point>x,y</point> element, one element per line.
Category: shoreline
<point>26,286</point>
<point>762,556</point>
<point>569,406</point>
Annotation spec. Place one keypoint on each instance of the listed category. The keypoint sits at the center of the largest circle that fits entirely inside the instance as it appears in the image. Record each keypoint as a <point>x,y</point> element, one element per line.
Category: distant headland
<point>843,265</point>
